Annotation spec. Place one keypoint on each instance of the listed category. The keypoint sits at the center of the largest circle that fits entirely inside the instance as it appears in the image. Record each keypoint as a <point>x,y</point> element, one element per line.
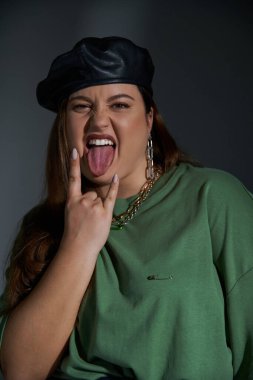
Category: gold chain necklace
<point>119,221</point>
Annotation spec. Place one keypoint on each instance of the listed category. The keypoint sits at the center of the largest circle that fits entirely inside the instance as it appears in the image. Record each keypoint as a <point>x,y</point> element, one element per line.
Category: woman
<point>138,264</point>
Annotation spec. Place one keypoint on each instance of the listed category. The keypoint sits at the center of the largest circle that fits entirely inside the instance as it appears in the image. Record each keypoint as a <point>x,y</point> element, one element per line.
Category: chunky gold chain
<point>119,221</point>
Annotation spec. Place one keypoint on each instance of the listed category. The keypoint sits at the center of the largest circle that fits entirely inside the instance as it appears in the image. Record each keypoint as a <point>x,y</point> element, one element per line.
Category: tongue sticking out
<point>100,158</point>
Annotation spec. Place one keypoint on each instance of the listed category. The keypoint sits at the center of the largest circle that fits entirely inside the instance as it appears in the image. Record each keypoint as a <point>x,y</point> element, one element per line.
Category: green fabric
<point>171,297</point>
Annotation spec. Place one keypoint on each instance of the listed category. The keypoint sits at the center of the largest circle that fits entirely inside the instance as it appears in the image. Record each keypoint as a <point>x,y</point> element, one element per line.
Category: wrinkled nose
<point>99,119</point>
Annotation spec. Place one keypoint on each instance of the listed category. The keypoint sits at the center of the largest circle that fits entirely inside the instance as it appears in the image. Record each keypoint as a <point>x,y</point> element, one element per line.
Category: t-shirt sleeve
<point>230,207</point>
<point>239,304</point>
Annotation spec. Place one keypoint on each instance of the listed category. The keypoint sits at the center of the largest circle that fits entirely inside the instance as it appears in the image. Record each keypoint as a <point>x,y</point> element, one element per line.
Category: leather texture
<point>95,61</point>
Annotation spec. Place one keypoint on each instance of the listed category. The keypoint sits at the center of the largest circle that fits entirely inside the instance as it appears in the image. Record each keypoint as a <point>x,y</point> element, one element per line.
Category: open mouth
<point>100,154</point>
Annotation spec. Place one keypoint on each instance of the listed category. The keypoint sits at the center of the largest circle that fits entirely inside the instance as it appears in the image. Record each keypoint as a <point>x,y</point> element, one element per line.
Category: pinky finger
<point>112,193</point>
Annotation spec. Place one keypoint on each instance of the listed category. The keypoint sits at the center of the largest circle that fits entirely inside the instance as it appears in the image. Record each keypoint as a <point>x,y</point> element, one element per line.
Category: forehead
<point>108,90</point>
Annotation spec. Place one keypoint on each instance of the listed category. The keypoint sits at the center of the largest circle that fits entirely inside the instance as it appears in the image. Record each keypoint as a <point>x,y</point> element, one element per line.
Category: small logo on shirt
<point>159,277</point>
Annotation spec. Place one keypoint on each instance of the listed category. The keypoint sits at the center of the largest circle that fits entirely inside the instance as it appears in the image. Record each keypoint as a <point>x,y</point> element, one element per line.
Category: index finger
<point>74,187</point>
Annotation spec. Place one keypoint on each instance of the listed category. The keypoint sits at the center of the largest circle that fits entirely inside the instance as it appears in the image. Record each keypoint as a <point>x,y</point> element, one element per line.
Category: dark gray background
<point>203,84</point>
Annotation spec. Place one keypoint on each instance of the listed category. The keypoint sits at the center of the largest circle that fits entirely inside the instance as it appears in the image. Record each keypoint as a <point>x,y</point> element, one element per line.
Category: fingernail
<point>115,178</point>
<point>74,154</point>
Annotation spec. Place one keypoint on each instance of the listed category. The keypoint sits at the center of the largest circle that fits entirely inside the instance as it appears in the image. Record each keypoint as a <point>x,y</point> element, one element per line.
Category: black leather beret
<point>95,61</point>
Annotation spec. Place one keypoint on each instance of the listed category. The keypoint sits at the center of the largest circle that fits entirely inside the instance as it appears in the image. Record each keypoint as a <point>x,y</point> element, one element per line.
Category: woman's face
<point>109,127</point>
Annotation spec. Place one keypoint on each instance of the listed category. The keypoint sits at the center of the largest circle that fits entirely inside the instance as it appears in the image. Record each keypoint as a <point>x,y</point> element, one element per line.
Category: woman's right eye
<point>81,107</point>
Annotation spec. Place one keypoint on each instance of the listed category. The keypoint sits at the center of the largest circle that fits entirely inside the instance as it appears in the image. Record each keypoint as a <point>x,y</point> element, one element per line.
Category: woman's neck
<point>128,186</point>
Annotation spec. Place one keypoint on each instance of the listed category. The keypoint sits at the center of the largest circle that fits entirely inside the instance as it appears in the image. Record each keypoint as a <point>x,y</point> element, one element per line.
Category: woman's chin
<point>101,178</point>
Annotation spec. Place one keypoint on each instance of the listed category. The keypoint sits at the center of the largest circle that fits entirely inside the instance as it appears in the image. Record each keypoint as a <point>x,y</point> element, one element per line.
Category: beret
<point>95,61</point>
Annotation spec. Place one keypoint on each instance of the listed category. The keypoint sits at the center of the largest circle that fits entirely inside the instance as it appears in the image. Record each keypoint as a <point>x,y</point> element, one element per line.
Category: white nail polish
<point>115,178</point>
<point>74,154</point>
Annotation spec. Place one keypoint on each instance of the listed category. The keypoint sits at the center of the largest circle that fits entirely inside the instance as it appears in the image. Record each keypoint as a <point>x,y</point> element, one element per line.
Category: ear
<point>150,116</point>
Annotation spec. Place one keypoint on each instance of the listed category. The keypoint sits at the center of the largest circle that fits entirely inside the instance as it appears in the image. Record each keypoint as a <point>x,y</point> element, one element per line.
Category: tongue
<point>100,158</point>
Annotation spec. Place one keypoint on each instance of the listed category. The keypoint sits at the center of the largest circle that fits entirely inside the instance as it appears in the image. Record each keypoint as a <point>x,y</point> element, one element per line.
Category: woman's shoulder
<point>206,174</point>
<point>211,180</point>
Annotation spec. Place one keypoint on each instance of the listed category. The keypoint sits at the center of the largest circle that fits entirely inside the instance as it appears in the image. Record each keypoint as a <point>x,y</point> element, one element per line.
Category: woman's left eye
<point>120,105</point>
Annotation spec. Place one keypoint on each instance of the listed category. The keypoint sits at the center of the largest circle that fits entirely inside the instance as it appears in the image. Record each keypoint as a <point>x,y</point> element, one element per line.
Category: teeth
<point>99,142</point>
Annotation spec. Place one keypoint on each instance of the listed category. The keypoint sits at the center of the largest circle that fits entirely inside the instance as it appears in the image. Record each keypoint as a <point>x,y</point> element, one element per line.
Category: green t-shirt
<point>171,297</point>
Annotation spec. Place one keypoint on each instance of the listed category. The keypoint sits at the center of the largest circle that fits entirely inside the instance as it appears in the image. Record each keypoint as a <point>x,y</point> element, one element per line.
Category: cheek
<point>140,130</point>
<point>75,136</point>
<point>134,136</point>
<point>136,125</point>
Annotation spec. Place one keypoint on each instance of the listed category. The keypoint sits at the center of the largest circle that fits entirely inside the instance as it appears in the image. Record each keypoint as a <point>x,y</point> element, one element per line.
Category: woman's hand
<point>48,313</point>
<point>87,217</point>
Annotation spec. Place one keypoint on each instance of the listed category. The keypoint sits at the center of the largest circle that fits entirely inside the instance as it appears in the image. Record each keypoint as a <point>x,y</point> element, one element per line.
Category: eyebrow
<point>114,97</point>
<point>120,96</point>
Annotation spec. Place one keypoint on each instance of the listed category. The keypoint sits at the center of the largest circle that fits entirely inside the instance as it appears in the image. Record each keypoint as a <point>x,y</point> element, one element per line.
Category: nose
<point>99,118</point>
